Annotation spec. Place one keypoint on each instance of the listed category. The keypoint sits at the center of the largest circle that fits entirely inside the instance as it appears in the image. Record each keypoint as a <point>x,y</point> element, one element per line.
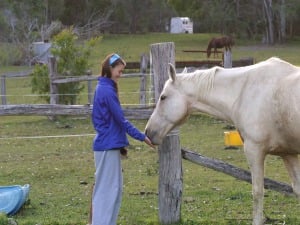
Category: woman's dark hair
<point>109,62</point>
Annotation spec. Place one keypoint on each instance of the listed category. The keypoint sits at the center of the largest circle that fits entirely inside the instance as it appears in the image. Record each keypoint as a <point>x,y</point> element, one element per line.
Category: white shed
<point>181,25</point>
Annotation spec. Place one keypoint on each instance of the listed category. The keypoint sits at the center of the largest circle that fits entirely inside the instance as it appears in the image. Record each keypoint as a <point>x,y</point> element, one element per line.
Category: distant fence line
<point>72,110</point>
<point>143,111</point>
<point>56,79</point>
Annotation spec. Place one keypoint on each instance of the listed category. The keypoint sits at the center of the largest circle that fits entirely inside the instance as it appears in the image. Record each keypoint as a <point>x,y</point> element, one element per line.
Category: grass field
<point>60,172</point>
<point>60,169</point>
<point>132,46</point>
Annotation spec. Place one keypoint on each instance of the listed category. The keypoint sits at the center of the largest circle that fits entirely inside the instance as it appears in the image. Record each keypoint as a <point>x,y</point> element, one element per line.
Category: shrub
<point>72,60</point>
<point>40,82</point>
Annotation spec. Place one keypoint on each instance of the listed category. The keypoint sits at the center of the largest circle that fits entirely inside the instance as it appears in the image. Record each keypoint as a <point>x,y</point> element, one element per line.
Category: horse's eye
<point>163,97</point>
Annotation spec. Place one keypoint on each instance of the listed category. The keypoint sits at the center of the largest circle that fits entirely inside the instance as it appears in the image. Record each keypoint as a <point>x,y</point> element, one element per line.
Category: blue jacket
<point>108,119</point>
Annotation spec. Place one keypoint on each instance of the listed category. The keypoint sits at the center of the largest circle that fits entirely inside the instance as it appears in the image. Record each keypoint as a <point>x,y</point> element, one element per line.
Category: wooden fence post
<point>227,59</point>
<point>143,80</point>
<point>52,76</point>
<point>90,89</point>
<point>3,89</point>
<point>170,160</point>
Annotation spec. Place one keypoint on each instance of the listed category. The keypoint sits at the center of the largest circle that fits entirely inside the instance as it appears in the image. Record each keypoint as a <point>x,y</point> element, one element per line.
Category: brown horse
<point>222,42</point>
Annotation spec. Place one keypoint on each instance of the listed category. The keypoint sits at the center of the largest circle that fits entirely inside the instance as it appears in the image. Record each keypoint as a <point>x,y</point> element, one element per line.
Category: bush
<point>40,82</point>
<point>72,60</point>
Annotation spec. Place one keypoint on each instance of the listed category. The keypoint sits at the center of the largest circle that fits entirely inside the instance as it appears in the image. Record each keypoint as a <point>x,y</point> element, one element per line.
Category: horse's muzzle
<point>153,136</point>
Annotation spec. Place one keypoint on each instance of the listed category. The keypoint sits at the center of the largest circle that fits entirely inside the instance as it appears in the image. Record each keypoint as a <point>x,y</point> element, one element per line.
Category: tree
<point>74,12</point>
<point>270,19</point>
<point>282,30</point>
<point>54,9</point>
<point>23,19</point>
<point>269,28</point>
<point>160,13</point>
<point>292,16</point>
<point>134,16</point>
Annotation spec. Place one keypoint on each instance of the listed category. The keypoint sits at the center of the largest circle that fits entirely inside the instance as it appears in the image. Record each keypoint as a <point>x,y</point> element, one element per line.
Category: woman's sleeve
<point>118,115</point>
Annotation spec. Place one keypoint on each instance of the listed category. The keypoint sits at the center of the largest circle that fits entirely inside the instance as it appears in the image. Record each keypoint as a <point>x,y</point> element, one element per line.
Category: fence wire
<point>17,91</point>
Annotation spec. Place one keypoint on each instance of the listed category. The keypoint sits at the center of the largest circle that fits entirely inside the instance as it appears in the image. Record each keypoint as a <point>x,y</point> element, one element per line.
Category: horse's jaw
<point>157,135</point>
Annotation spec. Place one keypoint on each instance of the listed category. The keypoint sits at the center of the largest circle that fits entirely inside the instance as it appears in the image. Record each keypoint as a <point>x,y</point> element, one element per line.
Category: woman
<point>109,142</point>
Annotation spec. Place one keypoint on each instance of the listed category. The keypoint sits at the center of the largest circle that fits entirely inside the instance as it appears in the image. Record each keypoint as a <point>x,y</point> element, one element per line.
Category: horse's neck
<point>211,44</point>
<point>216,93</point>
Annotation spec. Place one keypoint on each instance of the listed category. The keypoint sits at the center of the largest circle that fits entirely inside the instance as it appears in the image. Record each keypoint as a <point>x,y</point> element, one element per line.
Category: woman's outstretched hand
<point>148,142</point>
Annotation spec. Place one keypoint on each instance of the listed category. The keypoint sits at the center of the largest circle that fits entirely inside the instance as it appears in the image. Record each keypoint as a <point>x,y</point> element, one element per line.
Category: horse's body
<point>222,42</point>
<point>261,100</point>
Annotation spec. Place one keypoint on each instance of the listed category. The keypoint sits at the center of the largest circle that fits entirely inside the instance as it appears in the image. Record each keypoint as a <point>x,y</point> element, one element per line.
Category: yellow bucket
<point>232,138</point>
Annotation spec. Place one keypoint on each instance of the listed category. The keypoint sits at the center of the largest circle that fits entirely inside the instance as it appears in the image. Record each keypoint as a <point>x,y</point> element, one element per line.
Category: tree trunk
<point>269,22</point>
<point>282,30</point>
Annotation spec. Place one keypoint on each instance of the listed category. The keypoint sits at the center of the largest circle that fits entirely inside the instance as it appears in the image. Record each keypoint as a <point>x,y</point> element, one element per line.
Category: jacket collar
<point>106,80</point>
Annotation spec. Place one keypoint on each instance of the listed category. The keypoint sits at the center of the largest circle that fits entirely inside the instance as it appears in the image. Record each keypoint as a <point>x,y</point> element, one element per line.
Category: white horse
<point>261,100</point>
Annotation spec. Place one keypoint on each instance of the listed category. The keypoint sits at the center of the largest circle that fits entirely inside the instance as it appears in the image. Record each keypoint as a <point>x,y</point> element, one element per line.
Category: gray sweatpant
<point>107,194</point>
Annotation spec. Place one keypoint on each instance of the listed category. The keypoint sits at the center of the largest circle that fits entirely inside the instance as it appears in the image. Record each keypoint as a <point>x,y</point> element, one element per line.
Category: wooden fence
<point>3,78</point>
<point>72,110</point>
<point>56,79</point>
<point>142,111</point>
<point>142,66</point>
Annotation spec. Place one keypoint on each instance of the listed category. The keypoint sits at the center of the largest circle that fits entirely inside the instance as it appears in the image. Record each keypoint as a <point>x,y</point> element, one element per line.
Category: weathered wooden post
<point>90,88</point>
<point>143,81</point>
<point>170,160</point>
<point>52,66</point>
<point>3,89</point>
<point>227,59</point>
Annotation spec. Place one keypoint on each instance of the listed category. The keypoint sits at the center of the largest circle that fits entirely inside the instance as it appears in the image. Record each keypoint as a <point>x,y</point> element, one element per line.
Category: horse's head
<point>171,109</point>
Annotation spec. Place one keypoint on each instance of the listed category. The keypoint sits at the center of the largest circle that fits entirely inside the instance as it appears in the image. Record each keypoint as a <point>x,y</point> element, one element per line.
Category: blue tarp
<point>12,198</point>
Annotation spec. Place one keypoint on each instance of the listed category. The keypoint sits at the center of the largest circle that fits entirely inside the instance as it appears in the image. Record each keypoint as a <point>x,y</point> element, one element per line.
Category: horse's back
<point>270,101</point>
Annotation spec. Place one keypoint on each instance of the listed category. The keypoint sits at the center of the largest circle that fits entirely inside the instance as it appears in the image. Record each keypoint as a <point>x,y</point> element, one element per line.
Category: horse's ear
<point>184,70</point>
<point>172,72</point>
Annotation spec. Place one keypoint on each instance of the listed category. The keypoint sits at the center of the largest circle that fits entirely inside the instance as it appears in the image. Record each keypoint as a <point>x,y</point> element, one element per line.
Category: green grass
<point>60,170</point>
<point>132,46</point>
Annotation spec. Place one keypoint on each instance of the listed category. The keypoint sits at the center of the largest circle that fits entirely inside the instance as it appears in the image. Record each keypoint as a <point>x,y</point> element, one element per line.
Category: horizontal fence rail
<point>71,110</point>
<point>229,169</point>
<point>55,79</point>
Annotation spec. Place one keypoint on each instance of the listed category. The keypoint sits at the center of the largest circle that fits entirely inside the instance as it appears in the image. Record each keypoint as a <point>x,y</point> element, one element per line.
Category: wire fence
<point>18,90</point>
<point>45,136</point>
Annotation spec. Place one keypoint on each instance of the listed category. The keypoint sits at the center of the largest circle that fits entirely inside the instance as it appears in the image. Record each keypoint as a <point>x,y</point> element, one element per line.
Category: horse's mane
<point>203,79</point>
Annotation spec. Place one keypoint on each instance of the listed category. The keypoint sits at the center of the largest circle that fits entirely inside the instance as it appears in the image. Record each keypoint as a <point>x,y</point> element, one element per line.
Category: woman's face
<point>116,72</point>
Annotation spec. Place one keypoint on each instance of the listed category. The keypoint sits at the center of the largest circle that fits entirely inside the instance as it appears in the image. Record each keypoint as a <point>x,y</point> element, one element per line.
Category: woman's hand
<point>148,142</point>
